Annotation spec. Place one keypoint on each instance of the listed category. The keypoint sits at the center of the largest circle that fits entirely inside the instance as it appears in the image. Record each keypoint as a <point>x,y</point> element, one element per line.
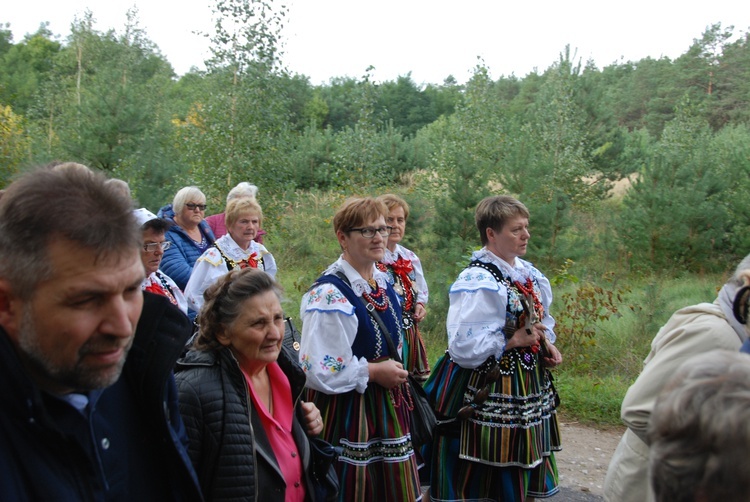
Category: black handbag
<point>325,481</point>
<point>323,454</point>
<point>423,419</point>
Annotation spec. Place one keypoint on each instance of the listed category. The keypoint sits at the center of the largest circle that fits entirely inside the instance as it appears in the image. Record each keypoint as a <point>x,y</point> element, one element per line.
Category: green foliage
<point>579,314</point>
<point>676,214</point>
<point>25,67</point>
<point>590,398</point>
<point>622,314</point>
<point>557,139</point>
<point>13,144</point>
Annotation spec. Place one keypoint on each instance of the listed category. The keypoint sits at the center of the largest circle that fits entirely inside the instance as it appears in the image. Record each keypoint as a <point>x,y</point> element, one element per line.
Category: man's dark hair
<point>68,202</point>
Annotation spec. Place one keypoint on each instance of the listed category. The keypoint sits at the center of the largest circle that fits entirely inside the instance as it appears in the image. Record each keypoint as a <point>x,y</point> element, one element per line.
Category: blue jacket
<point>179,259</point>
<point>130,446</point>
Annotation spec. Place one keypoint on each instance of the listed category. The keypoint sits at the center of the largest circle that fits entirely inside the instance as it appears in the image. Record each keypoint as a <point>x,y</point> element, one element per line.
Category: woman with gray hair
<point>700,431</point>
<point>241,397</point>
<point>190,235</point>
<point>233,251</point>
<point>217,222</point>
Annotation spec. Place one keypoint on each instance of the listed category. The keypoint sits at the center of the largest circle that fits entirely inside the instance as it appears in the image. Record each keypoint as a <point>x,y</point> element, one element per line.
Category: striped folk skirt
<point>505,450</point>
<point>377,462</point>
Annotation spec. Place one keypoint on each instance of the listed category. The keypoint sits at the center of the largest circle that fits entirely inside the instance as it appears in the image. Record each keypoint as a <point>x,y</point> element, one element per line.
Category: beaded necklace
<point>377,298</point>
<point>528,290</point>
<point>165,289</point>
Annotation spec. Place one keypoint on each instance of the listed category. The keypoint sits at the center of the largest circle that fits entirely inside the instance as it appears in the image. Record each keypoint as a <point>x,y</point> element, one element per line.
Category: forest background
<point>637,174</point>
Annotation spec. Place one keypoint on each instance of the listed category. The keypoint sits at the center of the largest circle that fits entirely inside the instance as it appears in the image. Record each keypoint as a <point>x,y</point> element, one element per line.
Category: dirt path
<point>583,462</point>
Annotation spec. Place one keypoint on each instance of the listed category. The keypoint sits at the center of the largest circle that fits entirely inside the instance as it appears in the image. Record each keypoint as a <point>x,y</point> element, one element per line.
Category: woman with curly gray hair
<point>700,431</point>
<point>240,396</point>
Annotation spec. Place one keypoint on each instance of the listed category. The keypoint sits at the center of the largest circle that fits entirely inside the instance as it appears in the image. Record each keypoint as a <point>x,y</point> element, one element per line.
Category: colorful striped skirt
<point>377,461</point>
<point>414,351</point>
<point>505,450</point>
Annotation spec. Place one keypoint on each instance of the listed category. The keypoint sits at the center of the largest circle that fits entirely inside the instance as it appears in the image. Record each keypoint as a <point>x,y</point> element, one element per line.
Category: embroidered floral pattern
<point>305,363</point>
<point>329,363</point>
<point>329,295</point>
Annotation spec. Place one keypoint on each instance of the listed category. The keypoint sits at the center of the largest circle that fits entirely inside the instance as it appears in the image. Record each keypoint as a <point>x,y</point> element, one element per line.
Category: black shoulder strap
<point>230,262</point>
<point>374,314</point>
<point>489,267</point>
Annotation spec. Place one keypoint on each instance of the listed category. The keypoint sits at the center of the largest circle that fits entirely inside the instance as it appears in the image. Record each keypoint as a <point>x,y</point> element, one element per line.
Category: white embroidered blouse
<point>478,304</point>
<point>329,327</point>
<point>159,281</point>
<point>211,265</point>
<point>420,284</point>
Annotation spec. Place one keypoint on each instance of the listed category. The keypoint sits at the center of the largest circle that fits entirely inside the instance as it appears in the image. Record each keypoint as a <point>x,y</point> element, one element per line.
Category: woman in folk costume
<point>154,245</point>
<point>493,379</point>
<point>406,276</point>
<point>360,390</point>
<point>234,251</point>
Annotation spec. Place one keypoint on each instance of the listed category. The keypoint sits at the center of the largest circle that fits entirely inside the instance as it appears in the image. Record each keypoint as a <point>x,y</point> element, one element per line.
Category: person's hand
<point>419,312</point>
<point>554,358</point>
<point>388,373</point>
<point>313,419</point>
<point>523,338</point>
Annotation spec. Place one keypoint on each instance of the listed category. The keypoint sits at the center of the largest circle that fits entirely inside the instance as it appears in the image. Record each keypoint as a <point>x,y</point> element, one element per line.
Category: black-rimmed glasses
<point>192,206</point>
<point>369,232</point>
<point>153,246</point>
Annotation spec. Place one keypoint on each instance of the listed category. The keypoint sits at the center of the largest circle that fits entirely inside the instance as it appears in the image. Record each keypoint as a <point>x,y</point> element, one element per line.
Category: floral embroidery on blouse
<point>330,295</point>
<point>305,362</point>
<point>333,365</point>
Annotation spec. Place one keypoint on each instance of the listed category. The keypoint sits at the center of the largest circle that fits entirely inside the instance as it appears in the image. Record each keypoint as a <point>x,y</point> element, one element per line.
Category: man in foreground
<point>76,421</point>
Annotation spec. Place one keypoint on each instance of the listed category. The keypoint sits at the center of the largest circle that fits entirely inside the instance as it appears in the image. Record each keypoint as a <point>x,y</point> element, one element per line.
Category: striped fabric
<point>506,450</point>
<point>378,462</point>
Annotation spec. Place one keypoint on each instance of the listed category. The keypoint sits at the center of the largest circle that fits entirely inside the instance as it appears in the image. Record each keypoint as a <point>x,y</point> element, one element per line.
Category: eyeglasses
<point>369,232</point>
<point>153,246</point>
<point>193,207</point>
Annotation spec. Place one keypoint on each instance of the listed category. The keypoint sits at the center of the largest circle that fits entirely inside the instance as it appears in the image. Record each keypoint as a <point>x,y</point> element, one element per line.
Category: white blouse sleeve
<point>423,293</point>
<point>329,327</point>
<point>476,317</point>
<point>269,262</point>
<point>207,270</point>
<point>179,296</point>
<point>546,290</point>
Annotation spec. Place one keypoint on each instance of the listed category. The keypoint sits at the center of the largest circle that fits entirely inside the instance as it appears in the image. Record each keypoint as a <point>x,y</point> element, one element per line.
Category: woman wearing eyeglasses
<point>361,392</point>
<point>235,250</point>
<point>190,235</point>
<point>493,379</point>
<point>154,245</point>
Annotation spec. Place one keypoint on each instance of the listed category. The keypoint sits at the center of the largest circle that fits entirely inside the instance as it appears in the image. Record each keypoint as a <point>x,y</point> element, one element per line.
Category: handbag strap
<point>374,314</point>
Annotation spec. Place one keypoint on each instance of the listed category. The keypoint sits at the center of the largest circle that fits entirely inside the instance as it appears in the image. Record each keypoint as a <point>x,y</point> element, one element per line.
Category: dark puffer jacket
<point>228,445</point>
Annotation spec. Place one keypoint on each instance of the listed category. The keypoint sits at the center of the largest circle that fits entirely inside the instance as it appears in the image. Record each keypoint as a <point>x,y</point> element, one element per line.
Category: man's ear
<point>10,309</point>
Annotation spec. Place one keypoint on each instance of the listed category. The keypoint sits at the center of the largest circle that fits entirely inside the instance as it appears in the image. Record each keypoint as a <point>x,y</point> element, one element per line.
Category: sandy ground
<point>583,462</point>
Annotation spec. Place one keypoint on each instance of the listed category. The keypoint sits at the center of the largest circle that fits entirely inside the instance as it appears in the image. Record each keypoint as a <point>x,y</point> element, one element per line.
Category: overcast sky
<point>429,38</point>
